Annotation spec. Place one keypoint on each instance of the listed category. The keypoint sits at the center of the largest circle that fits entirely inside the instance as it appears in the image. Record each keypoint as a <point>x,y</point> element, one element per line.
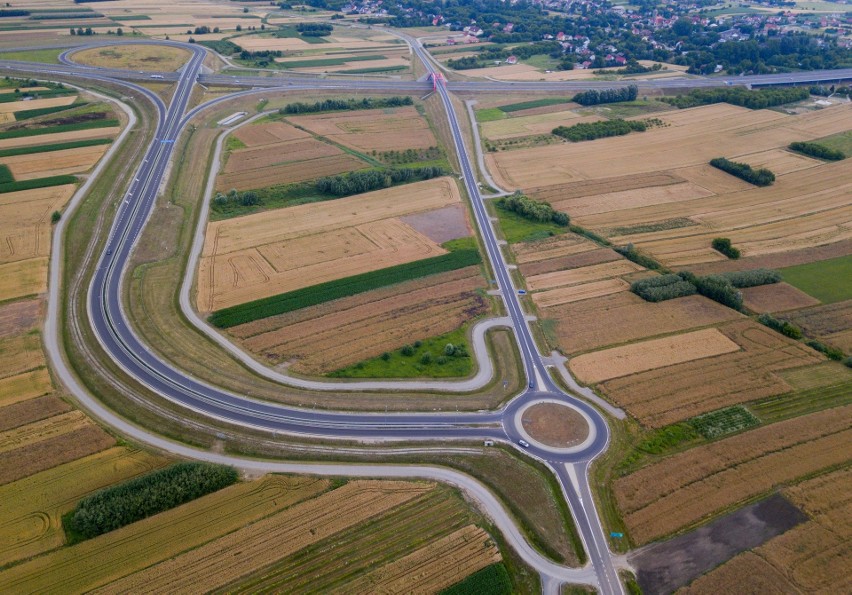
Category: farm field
<point>812,557</point>
<point>525,125</point>
<point>831,323</point>
<point>250,257</point>
<point>421,526</point>
<point>825,280</point>
<point>372,130</point>
<point>685,488</point>
<point>134,57</point>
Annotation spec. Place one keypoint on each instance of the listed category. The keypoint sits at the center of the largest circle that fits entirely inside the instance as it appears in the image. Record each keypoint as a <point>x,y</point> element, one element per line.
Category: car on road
<point>524,443</point>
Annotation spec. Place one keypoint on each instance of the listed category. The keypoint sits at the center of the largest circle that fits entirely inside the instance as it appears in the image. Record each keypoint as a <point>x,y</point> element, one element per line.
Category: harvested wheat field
<point>777,297</point>
<point>623,316</point>
<point>692,137</point>
<point>134,57</point>
<point>111,556</point>
<point>562,245</point>
<point>592,368</point>
<point>214,564</point>
<point>290,172</point>
<point>42,430</point>
<point>54,163</point>
<point>810,558</point>
<point>571,261</point>
<point>256,256</point>
<point>25,226</point>
<point>780,161</point>
<point>526,125</point>
<point>298,150</point>
<point>320,339</point>
<point>15,106</point>
<point>685,488</point>
<point>30,520</point>
<point>577,276</point>
<point>576,293</point>
<point>831,322</point>
<point>20,354</point>
<point>268,133</point>
<point>372,130</point>
<point>30,411</point>
<point>28,385</point>
<point>660,397</point>
<point>19,317</point>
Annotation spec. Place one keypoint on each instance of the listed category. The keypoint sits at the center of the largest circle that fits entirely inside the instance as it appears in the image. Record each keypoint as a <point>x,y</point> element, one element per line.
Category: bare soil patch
<point>555,425</point>
<point>777,297</point>
<point>630,359</point>
<point>18,317</point>
<point>134,57</point>
<point>440,225</point>
<point>666,566</point>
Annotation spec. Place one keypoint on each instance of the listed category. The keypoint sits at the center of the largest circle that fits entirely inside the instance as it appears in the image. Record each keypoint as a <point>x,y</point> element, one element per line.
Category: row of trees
<point>758,177</point>
<point>314,29</point>
<point>144,496</point>
<point>595,97</point>
<point>357,182</point>
<point>817,150</point>
<point>329,105</point>
<point>534,210</point>
<point>592,130</point>
<point>86,31</point>
<point>246,199</point>
<point>723,288</point>
<point>758,99</point>
<point>662,288</point>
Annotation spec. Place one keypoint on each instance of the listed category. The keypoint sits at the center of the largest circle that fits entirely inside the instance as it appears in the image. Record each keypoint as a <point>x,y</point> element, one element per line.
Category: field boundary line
<point>485,365</point>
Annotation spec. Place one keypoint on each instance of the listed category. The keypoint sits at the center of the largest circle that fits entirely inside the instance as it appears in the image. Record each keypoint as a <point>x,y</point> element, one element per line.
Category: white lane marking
<point>572,475</point>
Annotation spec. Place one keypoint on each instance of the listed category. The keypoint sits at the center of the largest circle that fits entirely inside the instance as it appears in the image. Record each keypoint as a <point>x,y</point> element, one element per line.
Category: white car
<point>524,443</point>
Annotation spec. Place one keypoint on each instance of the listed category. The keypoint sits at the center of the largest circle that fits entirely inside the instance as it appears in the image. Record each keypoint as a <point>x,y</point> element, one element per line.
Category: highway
<point>115,333</point>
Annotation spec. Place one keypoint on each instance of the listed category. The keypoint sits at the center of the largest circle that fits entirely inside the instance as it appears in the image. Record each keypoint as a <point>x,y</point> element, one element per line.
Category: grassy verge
<point>543,102</point>
<point>826,280</point>
<point>430,358</point>
<point>50,56</point>
<point>332,290</point>
<point>519,229</point>
<point>490,114</point>
<point>839,142</point>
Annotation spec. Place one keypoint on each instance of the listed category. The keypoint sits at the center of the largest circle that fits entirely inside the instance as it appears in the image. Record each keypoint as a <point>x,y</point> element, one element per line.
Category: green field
<point>377,69</point>
<point>493,580</point>
<point>518,229</point>
<point>37,183</point>
<point>414,363</point>
<point>50,56</point>
<point>490,114</point>
<point>332,290</point>
<point>319,62</point>
<point>543,102</point>
<point>802,402</point>
<point>35,113</point>
<point>839,142</point>
<point>723,421</point>
<point>826,280</point>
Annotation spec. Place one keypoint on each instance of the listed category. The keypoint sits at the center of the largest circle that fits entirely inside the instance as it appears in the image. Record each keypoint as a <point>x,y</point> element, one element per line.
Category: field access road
<point>116,335</point>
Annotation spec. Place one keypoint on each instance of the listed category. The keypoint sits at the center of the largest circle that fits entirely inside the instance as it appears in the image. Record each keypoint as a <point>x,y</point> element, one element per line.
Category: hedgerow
<point>817,150</point>
<point>782,326</point>
<point>604,128</point>
<point>340,288</point>
<point>719,289</point>
<point>329,105</point>
<point>144,496</point>
<point>357,182</point>
<point>37,183</point>
<point>752,278</point>
<point>534,210</point>
<point>663,287</point>
<point>758,177</point>
<point>759,99</point>
<point>724,246</point>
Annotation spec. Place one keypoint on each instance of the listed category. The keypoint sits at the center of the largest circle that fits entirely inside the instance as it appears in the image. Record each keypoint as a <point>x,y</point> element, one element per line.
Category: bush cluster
<point>329,105</point>
<point>314,29</point>
<point>595,97</point>
<point>357,182</point>
<point>758,177</point>
<point>663,287</point>
<point>144,496</point>
<point>782,326</point>
<point>759,99</point>
<point>724,246</point>
<point>602,129</point>
<point>752,278</point>
<point>632,254</point>
<point>534,210</point>
<point>830,352</point>
<point>817,150</point>
<point>718,289</point>
<point>246,199</point>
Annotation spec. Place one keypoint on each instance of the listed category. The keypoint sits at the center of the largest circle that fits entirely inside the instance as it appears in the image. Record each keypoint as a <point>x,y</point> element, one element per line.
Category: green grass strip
<point>493,580</point>
<point>59,128</point>
<point>516,107</point>
<point>75,144</point>
<point>6,176</point>
<point>327,61</point>
<point>39,183</point>
<point>332,290</point>
<point>45,94</point>
<point>26,114</point>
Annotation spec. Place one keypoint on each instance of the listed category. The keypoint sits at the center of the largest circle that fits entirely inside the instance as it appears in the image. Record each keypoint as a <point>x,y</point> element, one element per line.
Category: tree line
<point>723,288</point>
<point>817,150</point>
<point>758,99</point>
<point>357,182</point>
<point>144,496</point>
<point>592,130</point>
<point>758,177</point>
<point>329,105</point>
<point>314,29</point>
<point>534,210</point>
<point>595,97</point>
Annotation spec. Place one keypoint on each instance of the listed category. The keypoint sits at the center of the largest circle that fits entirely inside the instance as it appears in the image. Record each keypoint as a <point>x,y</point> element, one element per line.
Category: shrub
<point>724,246</point>
<point>55,217</point>
<point>407,350</point>
<point>630,253</point>
<point>450,349</point>
<point>663,287</point>
<point>592,130</point>
<point>848,361</point>
<point>830,352</point>
<point>534,210</point>
<point>144,496</point>
<point>781,326</point>
<point>426,359</point>
<point>758,177</point>
<point>752,278</point>
<point>818,151</point>
<point>719,289</point>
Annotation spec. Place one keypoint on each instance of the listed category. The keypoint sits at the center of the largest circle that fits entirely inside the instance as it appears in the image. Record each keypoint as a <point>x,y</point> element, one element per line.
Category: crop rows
<point>803,402</point>
<point>75,144</point>
<point>23,132</point>
<point>35,113</point>
<point>37,183</point>
<point>332,290</point>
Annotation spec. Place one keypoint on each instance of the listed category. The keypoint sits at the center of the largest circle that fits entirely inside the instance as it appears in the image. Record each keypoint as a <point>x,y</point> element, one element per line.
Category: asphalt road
<point>113,330</point>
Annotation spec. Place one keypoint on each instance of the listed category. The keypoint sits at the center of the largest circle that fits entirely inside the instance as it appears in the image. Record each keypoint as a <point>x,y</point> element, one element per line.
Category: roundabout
<point>555,426</point>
